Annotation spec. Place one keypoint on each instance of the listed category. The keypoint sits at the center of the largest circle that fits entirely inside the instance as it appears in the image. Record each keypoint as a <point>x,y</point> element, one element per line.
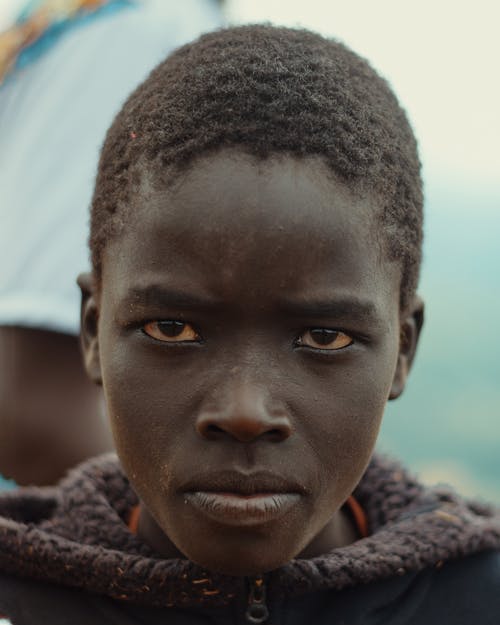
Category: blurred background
<point>442,60</point>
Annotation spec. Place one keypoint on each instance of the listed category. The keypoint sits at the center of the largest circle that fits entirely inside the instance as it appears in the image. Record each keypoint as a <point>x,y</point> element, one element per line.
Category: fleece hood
<point>76,535</point>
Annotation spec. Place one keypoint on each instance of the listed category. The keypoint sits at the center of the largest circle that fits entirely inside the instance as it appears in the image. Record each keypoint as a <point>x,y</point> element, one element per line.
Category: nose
<point>244,413</point>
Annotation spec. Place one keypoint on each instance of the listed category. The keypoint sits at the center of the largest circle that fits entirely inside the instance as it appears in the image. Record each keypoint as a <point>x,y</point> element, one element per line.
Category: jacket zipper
<point>257,611</point>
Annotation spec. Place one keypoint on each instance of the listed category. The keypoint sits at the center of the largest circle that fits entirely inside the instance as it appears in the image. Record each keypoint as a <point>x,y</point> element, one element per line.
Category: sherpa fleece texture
<point>76,535</point>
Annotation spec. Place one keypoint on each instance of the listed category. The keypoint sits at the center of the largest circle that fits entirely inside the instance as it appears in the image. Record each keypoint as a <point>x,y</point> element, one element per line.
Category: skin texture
<point>253,258</point>
<point>51,416</point>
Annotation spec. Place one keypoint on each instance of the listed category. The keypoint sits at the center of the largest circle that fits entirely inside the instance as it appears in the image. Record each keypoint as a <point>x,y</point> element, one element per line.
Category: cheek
<point>146,410</point>
<point>344,408</point>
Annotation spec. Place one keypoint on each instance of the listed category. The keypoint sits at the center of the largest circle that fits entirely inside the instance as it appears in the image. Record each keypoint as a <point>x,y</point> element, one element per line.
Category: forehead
<point>235,189</point>
<point>233,222</point>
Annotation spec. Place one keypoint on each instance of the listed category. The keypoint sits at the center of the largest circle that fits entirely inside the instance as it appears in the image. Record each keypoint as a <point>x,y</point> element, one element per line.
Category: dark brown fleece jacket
<point>76,536</point>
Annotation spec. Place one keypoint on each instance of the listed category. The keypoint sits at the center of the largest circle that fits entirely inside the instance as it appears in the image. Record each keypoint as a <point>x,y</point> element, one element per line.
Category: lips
<point>235,498</point>
<point>242,483</point>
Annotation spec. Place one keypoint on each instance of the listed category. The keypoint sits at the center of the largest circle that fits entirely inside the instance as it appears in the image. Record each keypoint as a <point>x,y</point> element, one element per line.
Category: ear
<point>411,326</point>
<point>89,317</point>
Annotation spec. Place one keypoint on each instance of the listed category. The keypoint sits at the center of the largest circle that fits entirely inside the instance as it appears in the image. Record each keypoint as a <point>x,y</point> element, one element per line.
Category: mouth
<point>238,499</point>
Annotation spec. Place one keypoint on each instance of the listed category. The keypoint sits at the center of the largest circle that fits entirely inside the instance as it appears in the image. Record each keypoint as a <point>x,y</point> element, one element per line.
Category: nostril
<point>275,435</point>
<point>212,430</point>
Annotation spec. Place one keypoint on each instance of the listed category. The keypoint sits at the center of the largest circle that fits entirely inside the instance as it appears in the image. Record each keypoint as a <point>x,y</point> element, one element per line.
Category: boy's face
<point>248,340</point>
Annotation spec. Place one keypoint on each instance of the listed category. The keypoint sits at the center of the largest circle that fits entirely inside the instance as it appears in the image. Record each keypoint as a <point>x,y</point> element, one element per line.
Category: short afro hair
<point>269,90</point>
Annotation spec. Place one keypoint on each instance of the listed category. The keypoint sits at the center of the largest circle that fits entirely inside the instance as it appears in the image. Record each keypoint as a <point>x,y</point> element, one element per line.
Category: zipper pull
<point>257,611</point>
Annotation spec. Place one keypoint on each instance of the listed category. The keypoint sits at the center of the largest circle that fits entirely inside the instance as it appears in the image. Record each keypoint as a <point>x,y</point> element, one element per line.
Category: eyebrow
<point>155,295</point>
<point>351,308</point>
<point>345,308</point>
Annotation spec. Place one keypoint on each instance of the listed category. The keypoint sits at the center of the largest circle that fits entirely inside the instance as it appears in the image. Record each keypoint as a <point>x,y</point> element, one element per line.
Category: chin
<point>240,562</point>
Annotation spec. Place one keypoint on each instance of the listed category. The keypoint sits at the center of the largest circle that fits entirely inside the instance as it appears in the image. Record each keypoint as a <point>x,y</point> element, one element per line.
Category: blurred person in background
<point>66,67</point>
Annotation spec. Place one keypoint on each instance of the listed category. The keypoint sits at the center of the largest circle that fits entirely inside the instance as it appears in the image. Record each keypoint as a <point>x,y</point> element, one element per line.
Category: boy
<point>255,238</point>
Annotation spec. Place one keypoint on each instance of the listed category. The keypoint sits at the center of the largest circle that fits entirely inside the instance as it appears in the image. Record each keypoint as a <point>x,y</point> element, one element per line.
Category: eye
<point>324,338</point>
<point>171,331</point>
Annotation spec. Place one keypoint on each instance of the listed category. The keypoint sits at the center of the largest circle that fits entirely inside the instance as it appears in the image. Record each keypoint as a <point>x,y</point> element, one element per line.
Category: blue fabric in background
<point>6,484</point>
<point>55,30</point>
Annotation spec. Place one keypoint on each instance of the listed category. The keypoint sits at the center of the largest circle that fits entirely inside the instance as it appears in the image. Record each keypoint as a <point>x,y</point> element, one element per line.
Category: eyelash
<point>195,338</point>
